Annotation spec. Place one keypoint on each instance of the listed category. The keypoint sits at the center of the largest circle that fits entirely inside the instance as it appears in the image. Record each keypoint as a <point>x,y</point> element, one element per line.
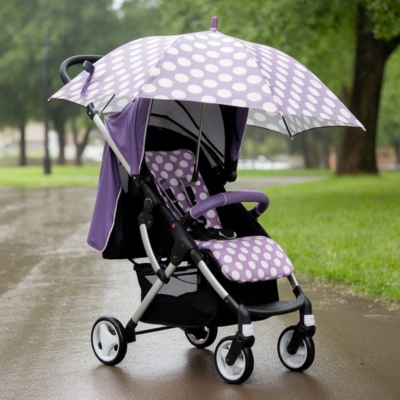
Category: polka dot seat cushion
<point>250,259</point>
<point>174,167</point>
<point>247,259</point>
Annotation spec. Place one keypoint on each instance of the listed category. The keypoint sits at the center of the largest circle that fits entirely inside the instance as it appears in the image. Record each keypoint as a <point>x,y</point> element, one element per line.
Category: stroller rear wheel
<point>238,372</point>
<point>109,340</point>
<point>201,337</point>
<point>304,356</point>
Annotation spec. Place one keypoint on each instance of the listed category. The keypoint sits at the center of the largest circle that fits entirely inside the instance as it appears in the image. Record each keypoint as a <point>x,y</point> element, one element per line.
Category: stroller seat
<point>244,259</point>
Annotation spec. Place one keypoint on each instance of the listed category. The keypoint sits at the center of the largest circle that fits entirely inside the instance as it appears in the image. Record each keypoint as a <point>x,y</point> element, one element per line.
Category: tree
<point>377,38</point>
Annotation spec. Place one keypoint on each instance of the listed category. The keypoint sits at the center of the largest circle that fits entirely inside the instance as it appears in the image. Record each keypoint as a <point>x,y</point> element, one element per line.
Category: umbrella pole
<point>195,178</point>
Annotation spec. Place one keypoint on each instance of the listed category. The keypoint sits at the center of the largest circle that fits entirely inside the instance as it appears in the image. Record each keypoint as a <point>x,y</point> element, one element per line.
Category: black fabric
<point>125,240</point>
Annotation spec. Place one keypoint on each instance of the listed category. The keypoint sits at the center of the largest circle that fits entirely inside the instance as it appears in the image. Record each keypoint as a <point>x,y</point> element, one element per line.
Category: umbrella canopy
<point>209,67</point>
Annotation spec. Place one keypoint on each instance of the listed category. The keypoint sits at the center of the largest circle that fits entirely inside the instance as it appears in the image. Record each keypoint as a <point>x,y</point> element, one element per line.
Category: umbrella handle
<point>69,62</point>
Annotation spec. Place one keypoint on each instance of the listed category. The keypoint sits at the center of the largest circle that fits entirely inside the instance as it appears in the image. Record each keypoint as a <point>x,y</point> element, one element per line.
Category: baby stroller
<point>201,258</point>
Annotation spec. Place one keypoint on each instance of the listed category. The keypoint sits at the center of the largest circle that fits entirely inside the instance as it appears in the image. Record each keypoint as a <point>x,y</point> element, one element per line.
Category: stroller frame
<point>233,356</point>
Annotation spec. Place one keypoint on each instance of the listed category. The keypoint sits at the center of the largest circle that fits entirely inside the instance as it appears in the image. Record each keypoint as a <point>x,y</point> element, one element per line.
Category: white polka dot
<point>197,73</point>
<point>248,274</point>
<point>211,68</point>
<point>315,84</point>
<point>238,265</point>
<point>173,181</point>
<point>199,45</point>
<point>239,56</point>
<point>329,102</point>
<point>178,94</point>
<point>203,196</point>
<point>287,270</point>
<point>264,264</point>
<point>254,257</point>
<point>186,47</point>
<point>239,71</point>
<point>208,99</point>
<point>181,197</point>
<point>227,259</point>
<point>244,250</point>
<point>169,66</point>
<point>230,250</point>
<point>184,62</point>
<point>260,117</point>
<point>218,246</point>
<point>293,104</point>
<point>194,89</point>
<point>227,49</point>
<point>242,257</point>
<point>254,79</point>
<point>212,54</point>
<point>173,51</point>
<point>210,83</point>
<point>181,78</point>
<point>164,82</point>
<point>235,275</point>
<point>253,96</point>
<point>225,77</point>
<point>239,103</point>
<point>226,62</point>
<point>169,167</point>
<point>198,58</point>
<point>327,110</point>
<point>273,271</point>
<point>277,262</point>
<point>211,214</point>
<point>261,273</point>
<point>252,265</point>
<point>279,254</point>
<point>224,93</point>
<point>310,106</point>
<point>345,113</point>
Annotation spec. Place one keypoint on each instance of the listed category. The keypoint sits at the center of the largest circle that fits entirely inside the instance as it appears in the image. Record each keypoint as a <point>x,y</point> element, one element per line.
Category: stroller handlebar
<point>224,199</point>
<point>74,60</point>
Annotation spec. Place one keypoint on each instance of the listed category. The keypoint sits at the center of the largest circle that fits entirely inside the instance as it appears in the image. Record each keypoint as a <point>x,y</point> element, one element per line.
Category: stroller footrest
<point>276,308</point>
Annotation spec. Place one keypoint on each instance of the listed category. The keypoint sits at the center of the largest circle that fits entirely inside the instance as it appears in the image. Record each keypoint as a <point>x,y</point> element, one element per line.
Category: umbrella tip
<point>214,24</point>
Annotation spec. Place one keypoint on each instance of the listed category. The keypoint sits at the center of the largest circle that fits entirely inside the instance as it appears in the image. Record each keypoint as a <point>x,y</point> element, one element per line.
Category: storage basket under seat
<point>189,301</point>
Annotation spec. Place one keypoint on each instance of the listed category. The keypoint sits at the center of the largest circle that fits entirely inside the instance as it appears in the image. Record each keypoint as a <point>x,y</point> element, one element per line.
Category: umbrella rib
<point>287,126</point>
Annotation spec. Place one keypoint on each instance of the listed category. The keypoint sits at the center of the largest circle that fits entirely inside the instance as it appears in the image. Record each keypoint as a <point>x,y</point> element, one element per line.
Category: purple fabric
<point>223,199</point>
<point>107,195</point>
<point>127,129</point>
<point>172,166</point>
<point>249,259</point>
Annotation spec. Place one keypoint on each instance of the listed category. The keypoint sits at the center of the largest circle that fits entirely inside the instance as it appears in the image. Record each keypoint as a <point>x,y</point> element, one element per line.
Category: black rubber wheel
<point>201,337</point>
<point>304,357</point>
<point>243,367</point>
<point>109,340</point>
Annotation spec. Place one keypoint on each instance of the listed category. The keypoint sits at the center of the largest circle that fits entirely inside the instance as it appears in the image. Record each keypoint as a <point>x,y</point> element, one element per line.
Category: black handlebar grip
<point>74,60</point>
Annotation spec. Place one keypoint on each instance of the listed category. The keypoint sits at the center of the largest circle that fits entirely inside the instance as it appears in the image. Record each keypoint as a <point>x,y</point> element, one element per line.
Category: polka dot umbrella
<point>210,67</point>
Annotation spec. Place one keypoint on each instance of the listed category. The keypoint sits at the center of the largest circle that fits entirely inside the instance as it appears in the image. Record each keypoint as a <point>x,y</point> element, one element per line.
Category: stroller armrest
<point>224,199</point>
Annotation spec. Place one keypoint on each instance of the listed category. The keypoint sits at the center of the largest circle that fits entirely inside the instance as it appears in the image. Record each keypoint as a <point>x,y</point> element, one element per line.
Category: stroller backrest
<point>173,171</point>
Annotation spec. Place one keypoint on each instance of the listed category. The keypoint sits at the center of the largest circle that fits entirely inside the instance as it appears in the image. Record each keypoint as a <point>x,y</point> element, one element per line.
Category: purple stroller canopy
<point>128,131</point>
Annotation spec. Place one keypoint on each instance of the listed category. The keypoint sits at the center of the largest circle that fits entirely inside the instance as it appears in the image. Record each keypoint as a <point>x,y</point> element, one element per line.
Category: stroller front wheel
<point>238,372</point>
<point>201,337</point>
<point>109,340</point>
<point>304,356</point>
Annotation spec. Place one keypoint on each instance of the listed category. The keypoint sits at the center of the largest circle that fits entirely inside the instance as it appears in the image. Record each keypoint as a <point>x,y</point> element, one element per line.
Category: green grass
<point>345,229</point>
<point>60,176</point>
<point>244,173</point>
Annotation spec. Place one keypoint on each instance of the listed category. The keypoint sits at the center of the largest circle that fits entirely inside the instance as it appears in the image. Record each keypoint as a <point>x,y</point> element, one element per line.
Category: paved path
<point>53,287</point>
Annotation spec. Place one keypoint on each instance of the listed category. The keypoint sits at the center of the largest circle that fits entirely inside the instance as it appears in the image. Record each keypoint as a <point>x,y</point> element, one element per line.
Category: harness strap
<point>170,196</point>
<point>188,191</point>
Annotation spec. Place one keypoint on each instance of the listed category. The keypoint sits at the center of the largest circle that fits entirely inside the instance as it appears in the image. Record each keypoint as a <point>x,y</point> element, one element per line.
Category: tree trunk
<point>22,145</point>
<point>59,124</point>
<point>357,150</point>
<point>80,146</point>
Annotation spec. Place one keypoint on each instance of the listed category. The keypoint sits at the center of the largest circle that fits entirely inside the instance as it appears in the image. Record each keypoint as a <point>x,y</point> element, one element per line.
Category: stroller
<point>201,258</point>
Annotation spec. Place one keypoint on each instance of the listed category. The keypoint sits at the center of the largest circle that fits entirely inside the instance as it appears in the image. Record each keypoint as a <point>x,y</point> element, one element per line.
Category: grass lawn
<point>344,229</point>
<point>60,176</point>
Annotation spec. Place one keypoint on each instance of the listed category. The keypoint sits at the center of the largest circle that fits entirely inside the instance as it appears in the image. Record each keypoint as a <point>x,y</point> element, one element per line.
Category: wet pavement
<point>53,287</point>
